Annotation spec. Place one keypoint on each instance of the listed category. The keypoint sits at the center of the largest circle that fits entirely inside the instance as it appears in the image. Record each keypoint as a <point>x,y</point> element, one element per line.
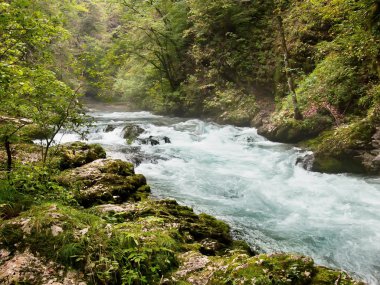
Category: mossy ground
<point>356,135</point>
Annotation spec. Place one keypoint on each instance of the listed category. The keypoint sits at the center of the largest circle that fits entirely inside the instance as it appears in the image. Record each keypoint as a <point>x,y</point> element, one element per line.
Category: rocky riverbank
<point>352,146</point>
<point>109,230</point>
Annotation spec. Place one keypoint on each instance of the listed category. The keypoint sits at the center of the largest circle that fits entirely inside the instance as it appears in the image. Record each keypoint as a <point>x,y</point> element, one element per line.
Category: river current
<point>255,185</point>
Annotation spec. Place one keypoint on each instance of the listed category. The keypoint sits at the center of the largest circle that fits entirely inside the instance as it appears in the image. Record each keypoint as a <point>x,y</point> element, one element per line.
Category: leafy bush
<point>12,202</point>
<point>37,183</point>
<point>334,82</point>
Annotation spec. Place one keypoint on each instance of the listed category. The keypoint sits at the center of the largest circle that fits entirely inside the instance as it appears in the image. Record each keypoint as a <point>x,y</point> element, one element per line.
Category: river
<point>255,185</point>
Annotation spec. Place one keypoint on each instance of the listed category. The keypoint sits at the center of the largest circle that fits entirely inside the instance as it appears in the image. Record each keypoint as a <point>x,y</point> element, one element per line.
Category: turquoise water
<point>254,185</point>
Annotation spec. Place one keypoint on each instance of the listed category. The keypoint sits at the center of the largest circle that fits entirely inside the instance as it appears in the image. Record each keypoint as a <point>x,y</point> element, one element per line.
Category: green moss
<point>293,131</point>
<point>326,276</point>
<point>337,150</point>
<point>132,132</point>
<point>141,194</point>
<point>77,154</point>
<point>200,232</point>
<point>209,227</point>
<point>241,246</point>
<point>274,269</point>
<point>104,181</point>
<point>10,235</point>
<point>277,269</point>
<point>344,138</point>
<point>337,164</point>
<point>106,254</point>
<point>119,167</point>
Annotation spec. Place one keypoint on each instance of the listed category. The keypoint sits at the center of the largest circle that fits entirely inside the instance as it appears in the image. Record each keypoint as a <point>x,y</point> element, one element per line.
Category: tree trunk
<point>288,72</point>
<point>7,145</point>
<point>45,153</point>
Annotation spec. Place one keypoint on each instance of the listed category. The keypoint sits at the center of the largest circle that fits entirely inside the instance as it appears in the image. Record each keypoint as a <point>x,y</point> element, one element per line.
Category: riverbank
<point>80,238</point>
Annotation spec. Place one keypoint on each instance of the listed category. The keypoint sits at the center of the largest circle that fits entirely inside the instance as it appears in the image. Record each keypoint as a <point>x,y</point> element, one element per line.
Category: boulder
<point>306,161</point>
<point>131,132</point>
<point>341,163</point>
<point>154,140</point>
<point>103,181</point>
<point>109,128</point>
<point>348,148</point>
<point>213,235</point>
<point>240,118</point>
<point>135,155</point>
<point>295,131</point>
<point>76,154</point>
<point>371,161</point>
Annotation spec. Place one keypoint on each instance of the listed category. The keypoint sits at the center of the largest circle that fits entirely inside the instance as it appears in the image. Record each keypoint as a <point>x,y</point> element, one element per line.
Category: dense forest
<point>305,72</point>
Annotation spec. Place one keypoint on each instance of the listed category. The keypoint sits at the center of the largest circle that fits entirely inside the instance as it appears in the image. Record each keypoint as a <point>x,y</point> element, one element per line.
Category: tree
<point>53,107</point>
<point>29,92</point>
<point>9,127</point>
<point>154,34</point>
<point>288,70</point>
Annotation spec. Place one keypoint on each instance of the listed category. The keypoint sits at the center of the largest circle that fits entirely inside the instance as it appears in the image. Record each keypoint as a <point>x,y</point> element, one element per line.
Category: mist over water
<point>255,185</point>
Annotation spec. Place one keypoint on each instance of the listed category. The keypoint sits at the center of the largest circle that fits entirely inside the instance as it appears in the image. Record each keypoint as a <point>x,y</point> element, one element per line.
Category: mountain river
<point>254,185</point>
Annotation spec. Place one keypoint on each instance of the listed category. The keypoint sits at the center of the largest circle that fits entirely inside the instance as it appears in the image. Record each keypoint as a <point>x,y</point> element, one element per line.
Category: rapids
<point>256,186</point>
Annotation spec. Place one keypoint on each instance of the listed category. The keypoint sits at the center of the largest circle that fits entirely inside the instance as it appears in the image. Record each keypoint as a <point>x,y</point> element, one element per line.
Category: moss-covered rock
<point>131,132</point>
<point>232,265</point>
<point>293,131</point>
<point>103,181</point>
<point>213,236</point>
<point>109,128</point>
<point>348,148</point>
<point>337,163</point>
<point>77,154</point>
<point>264,269</point>
<point>344,138</point>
